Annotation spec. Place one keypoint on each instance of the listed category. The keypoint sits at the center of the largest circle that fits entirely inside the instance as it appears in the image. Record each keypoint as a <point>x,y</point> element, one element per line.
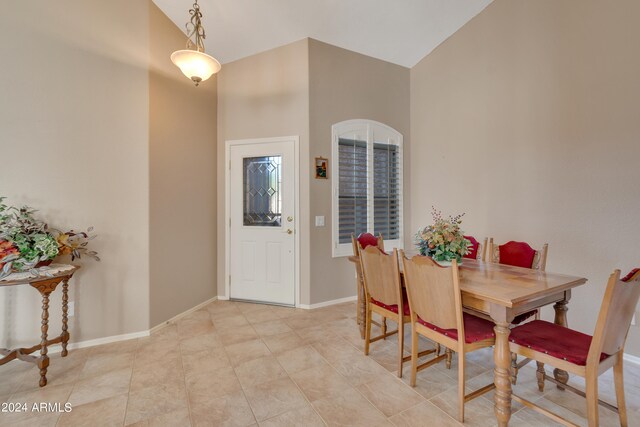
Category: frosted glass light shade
<point>198,66</point>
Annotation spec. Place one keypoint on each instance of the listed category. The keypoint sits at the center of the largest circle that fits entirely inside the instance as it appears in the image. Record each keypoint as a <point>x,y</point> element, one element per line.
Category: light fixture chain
<point>195,29</point>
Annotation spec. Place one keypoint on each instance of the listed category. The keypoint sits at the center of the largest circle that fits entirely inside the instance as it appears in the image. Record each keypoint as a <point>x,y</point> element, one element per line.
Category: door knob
<point>289,231</point>
<point>289,218</point>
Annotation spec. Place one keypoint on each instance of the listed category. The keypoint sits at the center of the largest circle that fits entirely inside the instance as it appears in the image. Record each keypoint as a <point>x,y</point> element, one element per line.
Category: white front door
<point>262,223</point>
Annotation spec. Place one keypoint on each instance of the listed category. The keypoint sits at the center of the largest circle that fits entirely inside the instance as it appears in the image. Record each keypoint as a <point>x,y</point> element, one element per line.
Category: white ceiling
<point>398,31</point>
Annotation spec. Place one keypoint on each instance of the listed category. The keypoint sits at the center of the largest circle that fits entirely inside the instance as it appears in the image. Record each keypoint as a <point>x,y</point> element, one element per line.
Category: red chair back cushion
<point>630,275</point>
<point>473,254</point>
<point>518,254</point>
<point>367,239</point>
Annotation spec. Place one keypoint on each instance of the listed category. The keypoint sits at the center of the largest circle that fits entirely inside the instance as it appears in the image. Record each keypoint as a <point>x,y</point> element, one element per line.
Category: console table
<point>45,285</point>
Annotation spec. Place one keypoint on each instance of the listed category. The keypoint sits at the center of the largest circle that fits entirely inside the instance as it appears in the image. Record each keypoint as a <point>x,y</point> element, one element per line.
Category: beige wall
<point>266,95</point>
<point>527,119</point>
<point>345,85</point>
<point>182,174</point>
<point>73,144</point>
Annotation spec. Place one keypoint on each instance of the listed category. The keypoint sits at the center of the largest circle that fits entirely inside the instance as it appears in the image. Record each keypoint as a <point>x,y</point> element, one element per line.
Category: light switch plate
<point>320,221</point>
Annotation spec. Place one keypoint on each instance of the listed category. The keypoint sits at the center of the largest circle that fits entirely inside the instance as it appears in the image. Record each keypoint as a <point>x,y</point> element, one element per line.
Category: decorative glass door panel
<point>262,195</point>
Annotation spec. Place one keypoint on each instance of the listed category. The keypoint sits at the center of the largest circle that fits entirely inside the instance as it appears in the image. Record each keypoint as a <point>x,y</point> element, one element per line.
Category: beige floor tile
<point>205,361</point>
<point>260,316</point>
<point>156,373</point>
<point>246,351</point>
<point>214,383</point>
<point>101,387</point>
<point>260,370</point>
<point>274,398</point>
<point>304,416</point>
<point>14,374</point>
<point>201,342</point>
<point>153,401</point>
<point>42,419</point>
<point>477,412</point>
<point>429,382</point>
<point>359,369</point>
<point>349,408</point>
<point>321,381</point>
<point>301,321</point>
<point>390,395</point>
<point>128,346</point>
<point>312,334</point>
<point>188,328</point>
<point>50,394</point>
<point>300,359</point>
<point>167,332</point>
<point>229,411</point>
<point>578,405</point>
<point>237,334</point>
<point>247,307</point>
<point>419,415</point>
<point>178,418</point>
<point>229,321</point>
<point>283,342</point>
<point>201,314</point>
<point>106,362</point>
<point>335,349</point>
<point>110,412</point>
<point>272,327</point>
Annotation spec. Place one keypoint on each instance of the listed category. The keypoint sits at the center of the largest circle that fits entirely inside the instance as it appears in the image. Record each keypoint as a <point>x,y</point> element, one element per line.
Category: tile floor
<point>238,364</point>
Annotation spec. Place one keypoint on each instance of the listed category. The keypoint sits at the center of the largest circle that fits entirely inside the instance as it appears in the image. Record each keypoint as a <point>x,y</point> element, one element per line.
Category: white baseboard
<point>328,303</point>
<point>57,348</point>
<point>181,315</point>
<point>632,359</point>
<point>223,298</point>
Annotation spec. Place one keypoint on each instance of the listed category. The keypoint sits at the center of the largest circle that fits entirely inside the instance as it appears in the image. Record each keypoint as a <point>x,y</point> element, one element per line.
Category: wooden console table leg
<point>561,319</point>
<point>43,362</point>
<point>65,308</point>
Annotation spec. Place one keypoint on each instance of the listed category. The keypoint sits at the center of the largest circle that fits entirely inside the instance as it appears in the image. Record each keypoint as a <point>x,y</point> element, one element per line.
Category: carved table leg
<point>561,319</point>
<point>502,373</point>
<point>65,308</point>
<point>43,362</point>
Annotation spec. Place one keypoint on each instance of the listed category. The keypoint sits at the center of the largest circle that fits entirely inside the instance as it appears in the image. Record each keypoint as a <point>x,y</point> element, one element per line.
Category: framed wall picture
<point>322,166</point>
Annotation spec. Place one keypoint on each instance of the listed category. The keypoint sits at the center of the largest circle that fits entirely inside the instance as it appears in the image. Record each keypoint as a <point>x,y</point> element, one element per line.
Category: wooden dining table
<point>501,292</point>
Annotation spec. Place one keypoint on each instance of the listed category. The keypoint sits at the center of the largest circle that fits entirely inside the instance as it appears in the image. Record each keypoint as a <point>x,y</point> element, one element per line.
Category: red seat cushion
<point>475,329</point>
<point>518,254</point>
<point>367,239</point>
<point>394,308</point>
<point>473,254</point>
<point>554,340</point>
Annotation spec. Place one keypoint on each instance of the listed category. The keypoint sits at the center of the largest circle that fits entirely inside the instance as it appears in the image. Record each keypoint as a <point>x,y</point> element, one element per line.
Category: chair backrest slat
<point>381,275</point>
<point>617,310</point>
<point>434,292</point>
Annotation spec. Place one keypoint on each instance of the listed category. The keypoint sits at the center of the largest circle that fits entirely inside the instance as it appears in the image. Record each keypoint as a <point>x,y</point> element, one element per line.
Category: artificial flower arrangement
<point>28,244</point>
<point>443,240</point>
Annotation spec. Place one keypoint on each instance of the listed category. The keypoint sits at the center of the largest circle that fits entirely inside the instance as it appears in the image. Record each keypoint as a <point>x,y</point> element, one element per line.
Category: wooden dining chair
<point>385,297</point>
<point>519,254</point>
<point>581,354</point>
<point>436,313</point>
<point>478,250</point>
<point>364,240</point>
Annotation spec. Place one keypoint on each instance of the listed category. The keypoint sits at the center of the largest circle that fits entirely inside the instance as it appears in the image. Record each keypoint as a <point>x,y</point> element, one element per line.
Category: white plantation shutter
<point>367,187</point>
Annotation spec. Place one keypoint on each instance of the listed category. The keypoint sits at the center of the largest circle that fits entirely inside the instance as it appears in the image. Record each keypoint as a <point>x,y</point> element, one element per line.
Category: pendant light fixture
<point>192,61</point>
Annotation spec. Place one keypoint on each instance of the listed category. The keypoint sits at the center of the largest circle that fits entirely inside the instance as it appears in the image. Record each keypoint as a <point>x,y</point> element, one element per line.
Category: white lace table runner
<point>51,270</point>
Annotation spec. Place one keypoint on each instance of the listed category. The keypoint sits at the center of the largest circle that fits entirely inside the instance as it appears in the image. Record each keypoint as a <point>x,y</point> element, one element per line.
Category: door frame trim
<point>227,209</point>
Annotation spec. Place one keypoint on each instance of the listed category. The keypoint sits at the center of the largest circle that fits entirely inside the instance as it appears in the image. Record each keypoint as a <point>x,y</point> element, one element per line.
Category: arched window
<point>367,183</point>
